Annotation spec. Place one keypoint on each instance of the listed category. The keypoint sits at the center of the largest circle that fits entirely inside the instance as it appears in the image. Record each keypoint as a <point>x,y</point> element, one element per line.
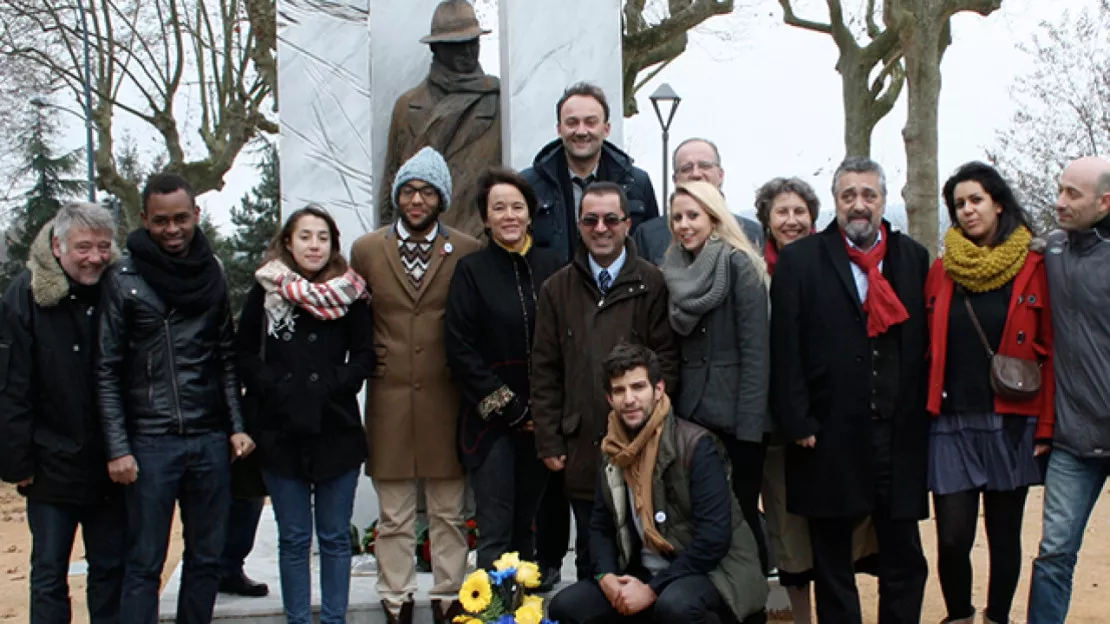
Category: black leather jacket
<point>160,372</point>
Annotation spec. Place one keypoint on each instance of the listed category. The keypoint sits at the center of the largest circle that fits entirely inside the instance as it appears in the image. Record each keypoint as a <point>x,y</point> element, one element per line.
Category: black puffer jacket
<point>555,226</point>
<point>158,371</point>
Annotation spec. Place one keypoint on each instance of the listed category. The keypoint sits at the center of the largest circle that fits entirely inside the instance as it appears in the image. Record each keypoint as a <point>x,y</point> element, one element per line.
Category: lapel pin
<point>660,517</point>
<point>448,248</point>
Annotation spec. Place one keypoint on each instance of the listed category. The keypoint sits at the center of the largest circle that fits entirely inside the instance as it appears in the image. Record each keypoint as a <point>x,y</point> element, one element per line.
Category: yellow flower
<point>506,561</point>
<point>528,574</point>
<point>528,613</point>
<point>466,619</point>
<point>535,602</point>
<point>475,593</point>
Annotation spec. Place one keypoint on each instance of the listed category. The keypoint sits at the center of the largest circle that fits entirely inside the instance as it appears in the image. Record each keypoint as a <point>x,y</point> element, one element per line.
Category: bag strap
<point>975,322</point>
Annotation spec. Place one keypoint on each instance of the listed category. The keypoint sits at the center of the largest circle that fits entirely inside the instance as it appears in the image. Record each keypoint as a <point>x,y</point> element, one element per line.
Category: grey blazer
<point>724,372</point>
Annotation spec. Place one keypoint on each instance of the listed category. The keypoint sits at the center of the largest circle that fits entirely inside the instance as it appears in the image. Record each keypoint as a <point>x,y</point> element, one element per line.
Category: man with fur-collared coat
<point>412,406</point>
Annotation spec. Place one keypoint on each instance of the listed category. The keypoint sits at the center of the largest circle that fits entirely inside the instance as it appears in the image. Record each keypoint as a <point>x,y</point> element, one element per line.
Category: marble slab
<point>325,110</point>
<point>547,45</point>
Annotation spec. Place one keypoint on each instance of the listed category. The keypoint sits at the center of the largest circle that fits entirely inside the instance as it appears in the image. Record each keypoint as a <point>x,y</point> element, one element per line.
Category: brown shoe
<point>405,617</point>
<point>453,609</point>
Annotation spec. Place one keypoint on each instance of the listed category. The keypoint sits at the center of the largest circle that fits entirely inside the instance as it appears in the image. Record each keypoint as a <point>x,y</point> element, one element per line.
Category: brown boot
<point>405,617</point>
<point>441,617</point>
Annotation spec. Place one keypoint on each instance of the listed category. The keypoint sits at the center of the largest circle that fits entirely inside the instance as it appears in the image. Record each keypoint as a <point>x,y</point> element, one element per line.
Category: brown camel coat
<point>412,406</point>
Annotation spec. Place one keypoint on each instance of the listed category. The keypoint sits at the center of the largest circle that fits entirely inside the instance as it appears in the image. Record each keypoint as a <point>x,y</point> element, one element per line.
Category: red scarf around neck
<point>771,255</point>
<point>883,308</point>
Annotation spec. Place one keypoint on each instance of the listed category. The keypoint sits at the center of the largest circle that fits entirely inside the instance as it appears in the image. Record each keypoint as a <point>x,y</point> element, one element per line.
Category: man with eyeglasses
<point>607,295</point>
<point>412,406</point>
<point>694,159</point>
<point>582,154</point>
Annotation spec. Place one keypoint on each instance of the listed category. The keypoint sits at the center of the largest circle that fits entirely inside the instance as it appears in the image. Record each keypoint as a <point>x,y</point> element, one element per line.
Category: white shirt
<point>862,282</point>
<point>653,561</point>
<point>403,234</point>
<point>614,269</point>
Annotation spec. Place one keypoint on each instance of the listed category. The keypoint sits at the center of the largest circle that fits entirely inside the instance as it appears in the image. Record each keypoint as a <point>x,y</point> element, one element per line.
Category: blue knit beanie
<point>427,166</point>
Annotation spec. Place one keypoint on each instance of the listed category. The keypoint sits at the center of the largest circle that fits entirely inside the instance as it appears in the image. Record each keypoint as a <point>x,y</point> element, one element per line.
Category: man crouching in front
<point>668,541</point>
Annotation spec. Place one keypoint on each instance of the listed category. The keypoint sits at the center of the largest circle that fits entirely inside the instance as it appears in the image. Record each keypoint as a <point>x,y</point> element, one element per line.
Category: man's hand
<point>635,596</point>
<point>555,464</point>
<point>124,470</point>
<point>809,442</point>
<point>611,587</point>
<point>1040,449</point>
<point>241,446</point>
<point>28,481</point>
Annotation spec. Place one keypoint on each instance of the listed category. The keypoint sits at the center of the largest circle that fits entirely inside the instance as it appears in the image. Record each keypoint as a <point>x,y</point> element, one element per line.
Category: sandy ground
<point>1089,601</point>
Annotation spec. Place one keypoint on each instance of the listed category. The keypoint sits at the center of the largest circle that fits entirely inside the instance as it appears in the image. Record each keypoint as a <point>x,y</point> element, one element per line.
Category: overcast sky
<point>769,96</point>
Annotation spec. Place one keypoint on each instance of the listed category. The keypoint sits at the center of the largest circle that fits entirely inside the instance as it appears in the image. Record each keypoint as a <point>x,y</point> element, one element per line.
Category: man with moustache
<point>51,444</point>
<point>1075,262</point>
<point>694,159</point>
<point>456,110</point>
<point>848,344</point>
<point>606,296</point>
<point>679,553</point>
<point>581,155</point>
<point>169,400</point>
<point>412,406</point>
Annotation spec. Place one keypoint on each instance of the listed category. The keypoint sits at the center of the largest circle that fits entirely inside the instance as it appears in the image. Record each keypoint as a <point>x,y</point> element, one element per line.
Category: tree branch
<point>791,19</point>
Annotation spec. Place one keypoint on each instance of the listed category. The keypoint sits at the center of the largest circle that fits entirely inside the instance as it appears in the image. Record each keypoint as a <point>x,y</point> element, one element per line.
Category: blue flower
<point>497,576</point>
<point>506,619</point>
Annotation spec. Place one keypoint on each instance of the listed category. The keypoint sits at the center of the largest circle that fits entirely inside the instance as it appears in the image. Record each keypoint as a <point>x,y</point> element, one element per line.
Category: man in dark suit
<point>848,342</point>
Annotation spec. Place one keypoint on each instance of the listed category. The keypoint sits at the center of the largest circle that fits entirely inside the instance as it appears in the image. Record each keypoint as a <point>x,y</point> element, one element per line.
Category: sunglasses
<point>612,219</point>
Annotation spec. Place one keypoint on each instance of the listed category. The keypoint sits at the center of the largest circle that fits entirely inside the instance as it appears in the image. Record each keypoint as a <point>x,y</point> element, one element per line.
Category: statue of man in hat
<point>455,110</point>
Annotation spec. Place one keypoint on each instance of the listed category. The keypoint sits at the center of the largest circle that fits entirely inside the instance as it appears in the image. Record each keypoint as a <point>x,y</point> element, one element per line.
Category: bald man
<point>1079,291</point>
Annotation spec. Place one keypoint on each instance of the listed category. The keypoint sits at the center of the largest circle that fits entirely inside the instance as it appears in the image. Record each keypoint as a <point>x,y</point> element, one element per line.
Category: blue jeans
<point>195,471</point>
<point>1071,489</point>
<point>53,528</point>
<point>242,525</point>
<point>294,502</point>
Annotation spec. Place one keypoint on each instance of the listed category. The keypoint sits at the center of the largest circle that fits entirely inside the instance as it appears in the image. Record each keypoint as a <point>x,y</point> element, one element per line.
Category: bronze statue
<point>456,110</point>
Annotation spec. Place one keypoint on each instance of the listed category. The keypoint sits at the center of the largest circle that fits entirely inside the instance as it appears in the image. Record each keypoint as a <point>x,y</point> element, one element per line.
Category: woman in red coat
<point>982,445</point>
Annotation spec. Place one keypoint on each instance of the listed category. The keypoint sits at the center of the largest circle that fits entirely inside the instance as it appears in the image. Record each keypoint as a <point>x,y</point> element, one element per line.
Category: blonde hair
<point>725,226</point>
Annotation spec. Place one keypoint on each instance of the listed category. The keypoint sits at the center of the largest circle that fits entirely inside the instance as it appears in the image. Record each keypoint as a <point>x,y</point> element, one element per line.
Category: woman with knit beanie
<point>490,322</point>
<point>304,350</point>
<point>986,295</point>
<point>719,310</point>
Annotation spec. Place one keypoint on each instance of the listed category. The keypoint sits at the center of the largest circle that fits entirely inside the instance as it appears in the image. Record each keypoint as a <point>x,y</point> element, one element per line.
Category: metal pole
<point>666,172</point>
<point>88,105</point>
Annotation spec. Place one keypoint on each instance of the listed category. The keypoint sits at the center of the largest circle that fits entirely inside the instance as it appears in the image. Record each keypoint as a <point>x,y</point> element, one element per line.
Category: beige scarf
<point>636,458</point>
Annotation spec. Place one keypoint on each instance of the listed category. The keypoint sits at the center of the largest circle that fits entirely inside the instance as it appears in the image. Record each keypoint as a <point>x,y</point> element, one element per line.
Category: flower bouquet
<point>500,597</point>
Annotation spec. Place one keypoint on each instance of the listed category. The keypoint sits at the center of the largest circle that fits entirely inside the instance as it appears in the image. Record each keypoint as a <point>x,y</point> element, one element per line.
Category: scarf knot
<point>286,290</point>
<point>697,284</point>
<point>982,269</point>
<point>883,307</point>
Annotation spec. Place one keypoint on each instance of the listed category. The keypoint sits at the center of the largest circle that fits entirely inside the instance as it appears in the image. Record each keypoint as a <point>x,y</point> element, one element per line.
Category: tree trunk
<point>923,52</point>
<point>858,121</point>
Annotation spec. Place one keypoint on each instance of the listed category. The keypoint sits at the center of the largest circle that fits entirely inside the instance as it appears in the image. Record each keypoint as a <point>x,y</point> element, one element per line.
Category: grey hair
<point>81,215</point>
<point>767,193</point>
<point>859,164</point>
<point>711,144</point>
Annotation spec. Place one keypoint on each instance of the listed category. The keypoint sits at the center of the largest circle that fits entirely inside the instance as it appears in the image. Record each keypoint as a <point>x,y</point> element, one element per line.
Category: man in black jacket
<point>668,540</point>
<point>50,439</point>
<point>579,156</point>
<point>169,400</point>
<point>848,343</point>
<point>694,160</point>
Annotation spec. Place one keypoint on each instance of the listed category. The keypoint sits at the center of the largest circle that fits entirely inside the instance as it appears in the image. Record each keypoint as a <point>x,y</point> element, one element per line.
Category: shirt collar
<point>403,234</point>
<point>589,178</point>
<point>614,269</point>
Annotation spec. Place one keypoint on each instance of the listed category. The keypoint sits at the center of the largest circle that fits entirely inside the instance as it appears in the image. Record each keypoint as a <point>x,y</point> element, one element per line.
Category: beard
<point>862,234</point>
<point>421,226</point>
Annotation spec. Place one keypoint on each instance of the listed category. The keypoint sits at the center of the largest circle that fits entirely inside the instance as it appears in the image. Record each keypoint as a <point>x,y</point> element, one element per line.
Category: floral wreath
<point>500,597</point>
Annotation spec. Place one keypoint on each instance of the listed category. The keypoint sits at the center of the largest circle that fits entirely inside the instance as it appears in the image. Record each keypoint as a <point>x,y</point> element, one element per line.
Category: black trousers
<point>689,600</point>
<point>957,515</point>
<point>902,568</point>
<point>747,460</point>
<point>507,489</point>
<point>242,526</point>
<point>553,528</point>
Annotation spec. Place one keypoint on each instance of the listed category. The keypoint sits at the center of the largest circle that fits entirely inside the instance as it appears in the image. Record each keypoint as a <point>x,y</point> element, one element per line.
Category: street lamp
<point>87,79</point>
<point>666,95</point>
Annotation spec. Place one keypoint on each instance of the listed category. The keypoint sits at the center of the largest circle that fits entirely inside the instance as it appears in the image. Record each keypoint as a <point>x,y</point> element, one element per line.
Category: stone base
<point>365,605</point>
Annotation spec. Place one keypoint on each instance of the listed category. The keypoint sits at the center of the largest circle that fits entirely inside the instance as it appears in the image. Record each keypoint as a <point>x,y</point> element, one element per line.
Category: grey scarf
<point>697,284</point>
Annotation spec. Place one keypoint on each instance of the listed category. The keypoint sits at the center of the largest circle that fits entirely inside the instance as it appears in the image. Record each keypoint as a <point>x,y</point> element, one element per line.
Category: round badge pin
<point>448,248</point>
<point>660,517</point>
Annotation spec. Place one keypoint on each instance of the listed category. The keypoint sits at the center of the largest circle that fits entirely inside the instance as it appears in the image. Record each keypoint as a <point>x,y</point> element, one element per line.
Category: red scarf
<point>882,305</point>
<point>771,255</point>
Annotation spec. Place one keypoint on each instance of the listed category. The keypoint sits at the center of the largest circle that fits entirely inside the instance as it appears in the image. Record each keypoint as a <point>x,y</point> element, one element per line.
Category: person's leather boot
<point>404,617</point>
<point>552,576</point>
<point>242,585</point>
<point>445,617</point>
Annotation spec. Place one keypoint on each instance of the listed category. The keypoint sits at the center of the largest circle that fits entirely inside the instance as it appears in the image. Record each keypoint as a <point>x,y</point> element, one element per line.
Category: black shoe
<point>240,585</point>
<point>551,577</point>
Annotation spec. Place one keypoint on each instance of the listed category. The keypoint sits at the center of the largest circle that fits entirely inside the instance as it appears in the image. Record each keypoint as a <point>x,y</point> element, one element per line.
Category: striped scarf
<point>286,289</point>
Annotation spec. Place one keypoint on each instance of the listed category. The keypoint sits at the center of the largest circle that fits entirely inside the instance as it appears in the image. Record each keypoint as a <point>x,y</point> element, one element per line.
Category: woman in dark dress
<point>491,313</point>
<point>304,350</point>
<point>982,444</point>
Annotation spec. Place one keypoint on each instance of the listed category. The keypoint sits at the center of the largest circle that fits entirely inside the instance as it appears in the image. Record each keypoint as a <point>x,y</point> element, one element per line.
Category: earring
<point>714,236</point>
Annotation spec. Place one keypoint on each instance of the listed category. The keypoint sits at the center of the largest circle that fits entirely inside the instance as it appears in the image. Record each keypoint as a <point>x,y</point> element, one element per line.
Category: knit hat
<point>427,166</point>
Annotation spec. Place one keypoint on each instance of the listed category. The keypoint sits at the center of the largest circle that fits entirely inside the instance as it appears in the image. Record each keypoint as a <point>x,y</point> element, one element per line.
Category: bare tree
<point>1063,108</point>
<point>172,64</point>
<point>866,100</point>
<point>924,28</point>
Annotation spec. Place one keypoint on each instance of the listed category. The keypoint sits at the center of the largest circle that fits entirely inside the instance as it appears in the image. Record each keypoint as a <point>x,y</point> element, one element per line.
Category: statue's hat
<point>454,22</point>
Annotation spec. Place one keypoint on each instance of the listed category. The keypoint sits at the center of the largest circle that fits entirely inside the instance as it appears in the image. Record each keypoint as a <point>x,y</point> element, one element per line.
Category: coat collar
<point>615,164</point>
<point>834,242</point>
<point>49,283</point>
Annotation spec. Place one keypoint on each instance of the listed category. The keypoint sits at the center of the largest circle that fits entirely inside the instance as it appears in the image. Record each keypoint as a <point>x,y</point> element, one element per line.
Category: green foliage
<point>48,173</point>
<point>256,220</point>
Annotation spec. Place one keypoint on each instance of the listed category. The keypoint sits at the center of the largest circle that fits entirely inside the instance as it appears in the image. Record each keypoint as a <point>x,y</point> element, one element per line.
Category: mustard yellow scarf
<point>982,269</point>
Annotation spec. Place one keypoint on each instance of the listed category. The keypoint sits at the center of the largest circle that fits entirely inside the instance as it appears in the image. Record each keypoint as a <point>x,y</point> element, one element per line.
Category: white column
<point>324,96</point>
<point>547,45</point>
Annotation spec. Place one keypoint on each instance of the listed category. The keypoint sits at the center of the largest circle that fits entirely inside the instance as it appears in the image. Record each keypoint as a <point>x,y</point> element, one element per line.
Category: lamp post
<point>88,104</point>
<point>666,95</point>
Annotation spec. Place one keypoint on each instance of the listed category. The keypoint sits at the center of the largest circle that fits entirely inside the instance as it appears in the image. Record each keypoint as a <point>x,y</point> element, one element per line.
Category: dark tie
<point>604,281</point>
